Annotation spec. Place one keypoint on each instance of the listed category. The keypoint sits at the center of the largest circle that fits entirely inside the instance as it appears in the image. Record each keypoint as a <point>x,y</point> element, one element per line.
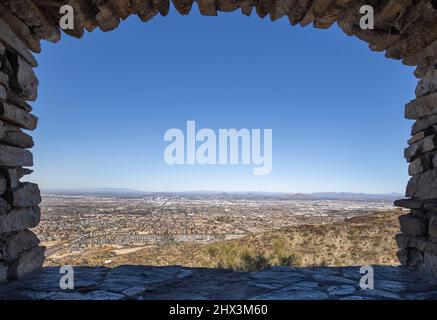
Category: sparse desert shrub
<point>250,255</point>
<point>282,255</point>
<point>212,251</point>
<point>255,262</point>
<point>286,260</point>
<point>279,247</point>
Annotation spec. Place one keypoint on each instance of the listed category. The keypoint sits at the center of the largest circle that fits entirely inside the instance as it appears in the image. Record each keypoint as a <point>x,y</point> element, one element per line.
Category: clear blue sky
<point>335,107</point>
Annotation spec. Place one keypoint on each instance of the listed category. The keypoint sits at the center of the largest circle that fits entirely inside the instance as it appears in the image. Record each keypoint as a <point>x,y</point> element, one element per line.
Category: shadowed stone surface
<point>19,219</point>
<point>404,29</point>
<point>180,283</point>
<point>24,195</point>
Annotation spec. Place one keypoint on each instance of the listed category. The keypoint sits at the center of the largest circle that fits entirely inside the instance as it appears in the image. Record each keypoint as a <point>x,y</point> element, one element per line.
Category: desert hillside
<point>361,240</point>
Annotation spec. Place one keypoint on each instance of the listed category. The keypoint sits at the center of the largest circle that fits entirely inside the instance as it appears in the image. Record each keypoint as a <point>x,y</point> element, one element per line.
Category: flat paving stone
<point>181,283</point>
<point>341,290</point>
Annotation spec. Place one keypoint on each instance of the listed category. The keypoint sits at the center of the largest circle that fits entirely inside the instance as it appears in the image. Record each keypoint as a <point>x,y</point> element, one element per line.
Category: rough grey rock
<point>104,295</point>
<point>4,79</point>
<point>3,185</point>
<point>409,203</point>
<point>415,257</point>
<point>15,157</point>
<point>3,272</point>
<point>27,80</point>
<point>20,219</point>
<point>96,284</point>
<point>12,177</point>
<point>32,15</point>
<point>420,165</point>
<point>29,261</point>
<point>341,290</point>
<point>430,295</point>
<point>432,229</point>
<point>423,186</point>
<point>429,264</point>
<point>417,137</point>
<point>427,144</point>
<point>403,256</point>
<point>11,127</point>
<point>421,107</point>
<point>412,225</point>
<point>424,123</point>
<point>23,24</point>
<point>351,298</point>
<point>14,243</point>
<point>8,37</point>
<point>405,241</point>
<point>17,116</point>
<point>66,295</point>
<point>23,172</point>
<point>422,57</point>
<point>333,278</point>
<point>430,206</point>
<point>380,294</point>
<point>293,295</point>
<point>134,291</point>
<point>266,277</point>
<point>24,195</point>
<point>4,206</point>
<point>3,92</point>
<point>2,129</point>
<point>413,151</point>
<point>421,213</point>
<point>428,84</point>
<point>15,100</point>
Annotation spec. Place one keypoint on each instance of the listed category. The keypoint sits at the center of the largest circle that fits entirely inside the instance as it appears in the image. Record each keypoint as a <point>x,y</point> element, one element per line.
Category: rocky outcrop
<point>12,157</point>
<point>418,238</point>
<point>20,252</point>
<point>404,29</point>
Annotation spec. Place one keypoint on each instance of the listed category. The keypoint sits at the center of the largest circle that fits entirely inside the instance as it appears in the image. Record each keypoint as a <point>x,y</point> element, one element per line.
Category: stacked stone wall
<point>20,252</point>
<point>403,29</point>
<point>418,238</point>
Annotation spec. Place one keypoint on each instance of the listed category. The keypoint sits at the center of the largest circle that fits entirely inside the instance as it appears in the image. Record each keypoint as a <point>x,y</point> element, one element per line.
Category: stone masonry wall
<point>20,252</point>
<point>403,29</point>
<point>418,238</point>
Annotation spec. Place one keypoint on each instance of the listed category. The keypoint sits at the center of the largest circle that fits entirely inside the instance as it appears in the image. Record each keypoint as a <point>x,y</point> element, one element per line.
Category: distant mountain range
<point>95,192</point>
<point>125,192</point>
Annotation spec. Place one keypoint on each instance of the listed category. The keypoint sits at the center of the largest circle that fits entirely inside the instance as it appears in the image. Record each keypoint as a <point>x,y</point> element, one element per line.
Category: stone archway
<point>404,29</point>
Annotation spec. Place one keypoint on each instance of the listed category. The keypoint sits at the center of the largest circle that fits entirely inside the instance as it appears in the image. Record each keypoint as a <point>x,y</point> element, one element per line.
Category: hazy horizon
<point>115,189</point>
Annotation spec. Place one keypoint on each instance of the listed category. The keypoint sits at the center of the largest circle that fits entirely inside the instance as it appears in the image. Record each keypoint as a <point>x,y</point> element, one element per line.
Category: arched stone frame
<point>404,29</point>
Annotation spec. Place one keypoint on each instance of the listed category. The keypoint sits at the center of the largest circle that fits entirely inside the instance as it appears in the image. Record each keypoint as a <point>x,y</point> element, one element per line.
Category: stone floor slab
<point>180,283</point>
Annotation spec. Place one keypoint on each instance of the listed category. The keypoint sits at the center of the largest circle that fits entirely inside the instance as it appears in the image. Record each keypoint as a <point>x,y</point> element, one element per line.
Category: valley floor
<point>360,240</point>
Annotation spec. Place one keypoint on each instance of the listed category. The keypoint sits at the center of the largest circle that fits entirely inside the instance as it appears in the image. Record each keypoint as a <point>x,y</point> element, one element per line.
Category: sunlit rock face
<point>404,29</point>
